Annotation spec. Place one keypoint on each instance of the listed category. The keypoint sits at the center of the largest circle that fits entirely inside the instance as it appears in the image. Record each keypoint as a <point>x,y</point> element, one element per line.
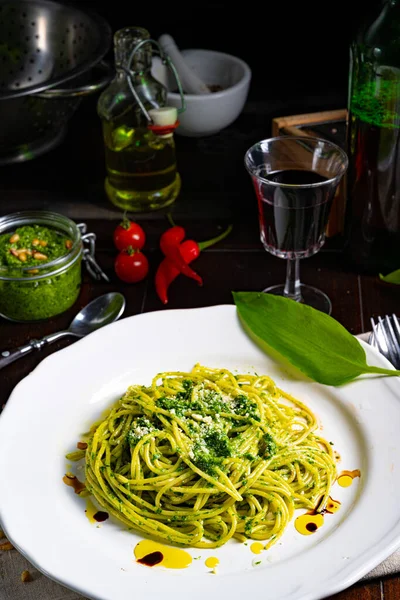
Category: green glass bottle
<point>373,144</point>
<point>141,166</point>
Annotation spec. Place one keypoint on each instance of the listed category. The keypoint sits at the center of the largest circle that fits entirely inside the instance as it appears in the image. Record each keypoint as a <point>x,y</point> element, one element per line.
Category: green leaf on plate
<point>393,277</point>
<point>310,340</point>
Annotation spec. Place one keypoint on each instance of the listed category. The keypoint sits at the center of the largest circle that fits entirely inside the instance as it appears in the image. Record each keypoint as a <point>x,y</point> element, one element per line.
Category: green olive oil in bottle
<point>141,166</point>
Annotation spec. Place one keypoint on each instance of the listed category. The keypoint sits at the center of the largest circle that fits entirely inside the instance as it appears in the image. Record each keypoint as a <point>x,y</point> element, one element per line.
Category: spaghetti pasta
<point>200,457</point>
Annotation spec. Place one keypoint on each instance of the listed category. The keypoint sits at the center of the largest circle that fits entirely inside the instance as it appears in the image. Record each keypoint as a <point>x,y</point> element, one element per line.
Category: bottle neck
<point>125,42</point>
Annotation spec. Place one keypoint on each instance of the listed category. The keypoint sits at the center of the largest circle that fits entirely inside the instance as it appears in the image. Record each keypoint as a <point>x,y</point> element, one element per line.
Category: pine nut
<point>26,576</point>
<point>5,546</point>
<point>14,238</point>
<point>40,256</point>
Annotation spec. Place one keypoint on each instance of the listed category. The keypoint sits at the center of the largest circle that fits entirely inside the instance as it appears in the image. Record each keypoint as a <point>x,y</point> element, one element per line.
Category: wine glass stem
<point>292,283</point>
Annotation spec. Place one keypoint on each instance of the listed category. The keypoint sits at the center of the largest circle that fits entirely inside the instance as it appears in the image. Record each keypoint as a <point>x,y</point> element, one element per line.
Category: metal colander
<point>49,55</point>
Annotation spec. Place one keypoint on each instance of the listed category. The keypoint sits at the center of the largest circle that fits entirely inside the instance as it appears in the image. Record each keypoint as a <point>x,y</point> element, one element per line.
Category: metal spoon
<point>99,312</point>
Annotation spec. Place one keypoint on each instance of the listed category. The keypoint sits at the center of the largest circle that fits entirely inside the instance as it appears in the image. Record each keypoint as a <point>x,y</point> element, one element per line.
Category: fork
<point>385,337</point>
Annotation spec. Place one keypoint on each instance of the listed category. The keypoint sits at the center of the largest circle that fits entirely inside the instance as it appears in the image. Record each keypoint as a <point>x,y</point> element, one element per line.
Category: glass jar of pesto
<point>40,265</point>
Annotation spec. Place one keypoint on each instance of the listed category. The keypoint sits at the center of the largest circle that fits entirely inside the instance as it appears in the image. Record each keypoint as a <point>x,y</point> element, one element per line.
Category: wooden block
<point>305,125</point>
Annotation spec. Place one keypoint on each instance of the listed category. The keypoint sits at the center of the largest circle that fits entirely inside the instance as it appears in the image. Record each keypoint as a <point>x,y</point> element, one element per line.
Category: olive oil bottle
<point>141,165</point>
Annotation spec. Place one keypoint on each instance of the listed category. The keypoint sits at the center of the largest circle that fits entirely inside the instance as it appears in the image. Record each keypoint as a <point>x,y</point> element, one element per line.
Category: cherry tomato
<point>131,265</point>
<point>128,233</point>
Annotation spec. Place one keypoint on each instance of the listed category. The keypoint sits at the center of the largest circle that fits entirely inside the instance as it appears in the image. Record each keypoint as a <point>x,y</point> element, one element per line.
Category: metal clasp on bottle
<point>89,248</point>
<point>166,60</point>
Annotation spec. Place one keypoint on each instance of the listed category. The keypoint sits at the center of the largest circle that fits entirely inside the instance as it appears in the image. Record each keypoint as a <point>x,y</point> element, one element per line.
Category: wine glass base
<point>309,295</point>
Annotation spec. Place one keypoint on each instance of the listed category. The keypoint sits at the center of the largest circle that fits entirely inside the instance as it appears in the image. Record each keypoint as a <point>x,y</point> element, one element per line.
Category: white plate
<point>50,408</point>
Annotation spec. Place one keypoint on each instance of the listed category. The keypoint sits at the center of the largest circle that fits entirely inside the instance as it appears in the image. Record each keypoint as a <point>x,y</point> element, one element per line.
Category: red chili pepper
<point>167,272</point>
<point>170,245</point>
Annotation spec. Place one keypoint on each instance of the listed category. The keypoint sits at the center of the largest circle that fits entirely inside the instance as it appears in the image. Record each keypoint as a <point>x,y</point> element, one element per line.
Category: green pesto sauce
<point>210,451</point>
<point>267,446</point>
<point>211,419</point>
<point>183,404</point>
<point>53,246</point>
<point>36,299</point>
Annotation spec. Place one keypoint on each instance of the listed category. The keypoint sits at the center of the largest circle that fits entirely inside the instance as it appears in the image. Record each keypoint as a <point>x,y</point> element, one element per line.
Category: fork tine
<point>396,336</point>
<point>392,333</point>
<point>396,325</point>
<point>376,327</point>
<point>389,339</point>
<point>374,341</point>
<point>380,329</point>
<point>393,338</point>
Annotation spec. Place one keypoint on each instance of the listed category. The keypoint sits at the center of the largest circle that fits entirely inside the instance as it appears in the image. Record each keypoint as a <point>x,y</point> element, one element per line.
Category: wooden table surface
<point>216,191</point>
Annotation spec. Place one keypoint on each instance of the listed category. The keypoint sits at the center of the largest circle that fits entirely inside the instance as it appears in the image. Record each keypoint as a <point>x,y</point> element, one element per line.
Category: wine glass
<point>295,179</point>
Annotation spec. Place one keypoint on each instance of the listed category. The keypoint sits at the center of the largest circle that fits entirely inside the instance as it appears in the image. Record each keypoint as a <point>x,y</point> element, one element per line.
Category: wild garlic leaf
<point>393,277</point>
<point>312,341</point>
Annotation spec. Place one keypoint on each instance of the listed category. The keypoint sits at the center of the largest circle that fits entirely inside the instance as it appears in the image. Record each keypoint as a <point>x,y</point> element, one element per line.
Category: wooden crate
<point>330,125</point>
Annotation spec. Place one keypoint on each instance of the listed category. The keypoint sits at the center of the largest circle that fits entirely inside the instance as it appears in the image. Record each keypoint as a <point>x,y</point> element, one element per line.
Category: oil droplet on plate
<point>345,479</point>
<point>313,519</point>
<point>308,523</point>
<point>332,506</point>
<point>211,562</point>
<point>152,553</point>
<point>90,511</point>
<point>257,547</point>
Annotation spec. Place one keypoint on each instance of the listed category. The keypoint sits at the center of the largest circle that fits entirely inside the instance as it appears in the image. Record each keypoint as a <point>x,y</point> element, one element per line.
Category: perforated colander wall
<point>42,42</point>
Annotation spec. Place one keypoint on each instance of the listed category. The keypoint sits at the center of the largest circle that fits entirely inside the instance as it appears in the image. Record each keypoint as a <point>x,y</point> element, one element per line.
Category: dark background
<point>299,56</point>
<point>298,51</point>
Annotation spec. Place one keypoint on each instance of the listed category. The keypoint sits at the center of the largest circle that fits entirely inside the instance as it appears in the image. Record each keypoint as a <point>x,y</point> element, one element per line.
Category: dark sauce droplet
<point>100,516</point>
<point>152,559</point>
<point>311,527</point>
<point>331,507</point>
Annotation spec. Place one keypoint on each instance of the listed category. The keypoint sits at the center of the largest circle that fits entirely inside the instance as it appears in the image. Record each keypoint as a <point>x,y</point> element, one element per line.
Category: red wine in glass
<point>295,180</point>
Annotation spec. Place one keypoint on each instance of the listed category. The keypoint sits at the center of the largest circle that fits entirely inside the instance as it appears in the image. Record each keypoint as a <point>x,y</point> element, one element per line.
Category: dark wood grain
<point>391,588</point>
<point>369,591</point>
<point>379,298</point>
<point>227,271</point>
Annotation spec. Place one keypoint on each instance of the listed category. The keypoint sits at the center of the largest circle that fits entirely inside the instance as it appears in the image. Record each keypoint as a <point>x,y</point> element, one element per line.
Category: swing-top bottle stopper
<point>164,121</point>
